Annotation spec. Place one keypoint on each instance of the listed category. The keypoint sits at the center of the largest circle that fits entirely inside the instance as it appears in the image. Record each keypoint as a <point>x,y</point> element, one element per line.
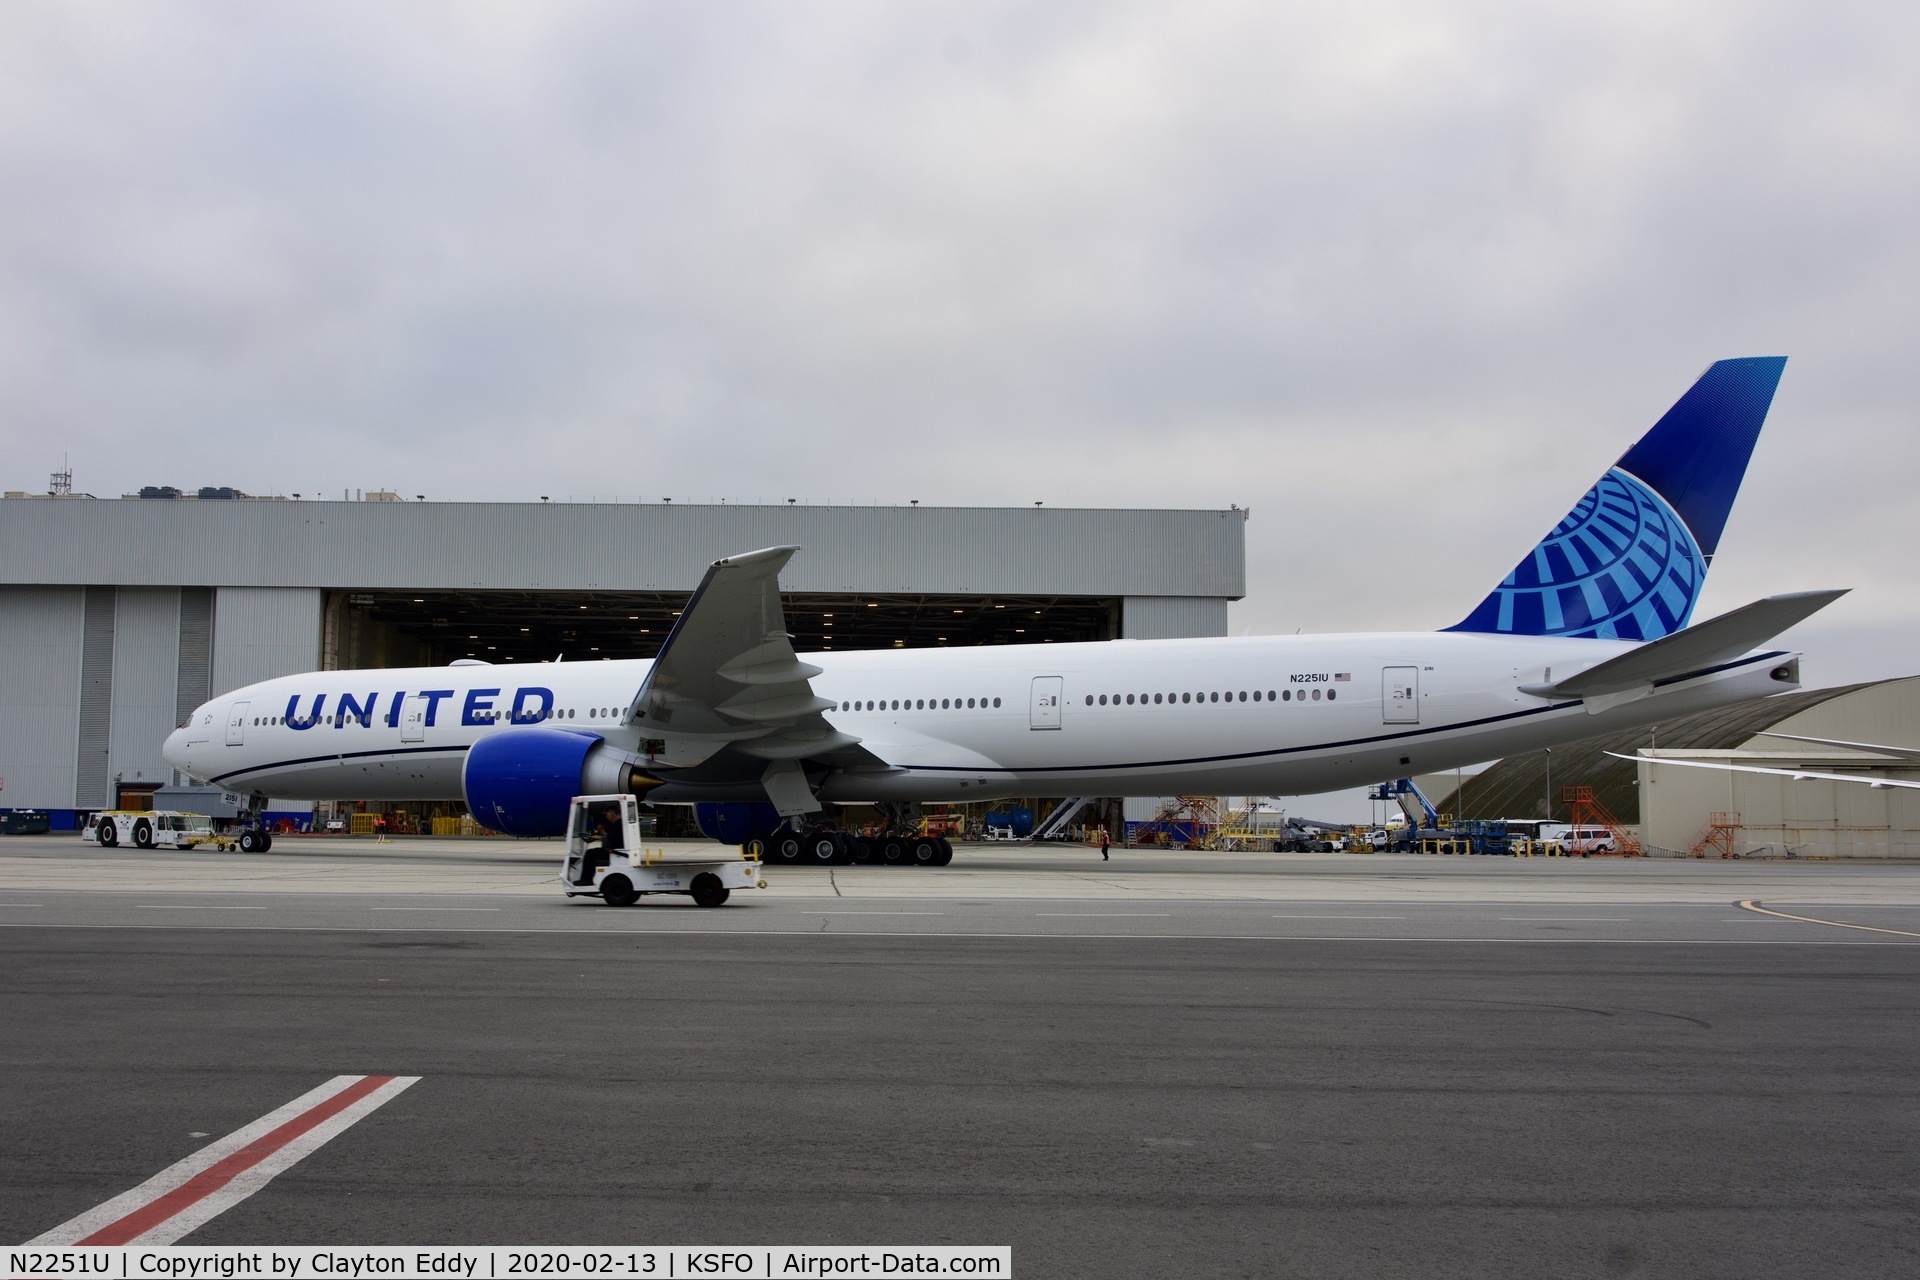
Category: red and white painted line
<point>221,1174</point>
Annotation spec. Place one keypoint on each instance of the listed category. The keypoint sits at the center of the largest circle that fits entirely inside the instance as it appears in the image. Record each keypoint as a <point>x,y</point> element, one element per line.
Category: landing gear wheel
<point>142,834</point>
<point>924,851</point>
<point>708,891</point>
<point>946,851</point>
<point>109,834</point>
<point>618,891</point>
<point>823,848</point>
<point>893,851</point>
<point>862,850</point>
<point>266,842</point>
<point>786,848</point>
<point>250,842</point>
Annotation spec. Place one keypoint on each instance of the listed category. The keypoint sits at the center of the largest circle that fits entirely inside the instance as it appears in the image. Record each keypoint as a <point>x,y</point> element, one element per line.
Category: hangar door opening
<point>1400,695</point>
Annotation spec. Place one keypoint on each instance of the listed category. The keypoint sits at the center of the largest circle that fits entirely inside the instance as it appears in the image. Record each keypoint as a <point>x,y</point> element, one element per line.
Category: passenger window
<point>996,702</point>
<point>1286,695</point>
<point>1332,694</point>
<point>1316,695</point>
<point>1256,695</point>
<point>1243,695</point>
<point>1270,697</point>
<point>1216,697</point>
<point>1186,697</point>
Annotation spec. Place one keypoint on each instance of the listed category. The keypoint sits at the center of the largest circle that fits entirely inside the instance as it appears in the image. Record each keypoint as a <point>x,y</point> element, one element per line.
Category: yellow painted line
<point>1753,904</point>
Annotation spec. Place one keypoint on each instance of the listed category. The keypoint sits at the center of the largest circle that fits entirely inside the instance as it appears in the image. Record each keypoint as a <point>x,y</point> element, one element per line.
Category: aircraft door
<point>1400,695</point>
<point>413,719</point>
<point>237,724</point>
<point>1043,712</point>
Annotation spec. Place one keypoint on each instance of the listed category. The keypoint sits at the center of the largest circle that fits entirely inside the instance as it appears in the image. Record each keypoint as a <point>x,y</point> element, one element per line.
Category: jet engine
<point>518,781</point>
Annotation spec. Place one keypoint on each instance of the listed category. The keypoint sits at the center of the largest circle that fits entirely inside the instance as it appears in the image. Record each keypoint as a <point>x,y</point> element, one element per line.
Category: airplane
<point>1588,634</point>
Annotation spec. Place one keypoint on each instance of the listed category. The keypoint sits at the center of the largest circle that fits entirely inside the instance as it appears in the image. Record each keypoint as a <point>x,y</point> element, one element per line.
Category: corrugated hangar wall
<point>146,671</point>
<point>119,617</point>
<point>263,632</point>
<point>1171,617</point>
<point>39,693</point>
<point>630,547</point>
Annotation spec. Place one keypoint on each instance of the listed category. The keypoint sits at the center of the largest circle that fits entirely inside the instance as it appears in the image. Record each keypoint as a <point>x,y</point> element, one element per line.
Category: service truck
<point>605,859</point>
<point>148,829</point>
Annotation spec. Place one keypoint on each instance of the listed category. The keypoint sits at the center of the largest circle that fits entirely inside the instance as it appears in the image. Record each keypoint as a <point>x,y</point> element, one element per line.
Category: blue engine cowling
<point>518,781</point>
<point>735,821</point>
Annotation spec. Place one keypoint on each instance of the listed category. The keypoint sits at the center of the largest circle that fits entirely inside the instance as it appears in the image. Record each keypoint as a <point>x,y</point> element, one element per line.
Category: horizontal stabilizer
<point>1684,652</point>
<point>1798,775</point>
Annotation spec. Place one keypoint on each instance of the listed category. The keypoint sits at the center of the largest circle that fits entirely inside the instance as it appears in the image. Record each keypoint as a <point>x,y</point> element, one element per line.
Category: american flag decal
<point>1343,675</point>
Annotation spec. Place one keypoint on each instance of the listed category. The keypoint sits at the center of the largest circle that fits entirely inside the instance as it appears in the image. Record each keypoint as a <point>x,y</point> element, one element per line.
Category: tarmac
<point>1164,1064</point>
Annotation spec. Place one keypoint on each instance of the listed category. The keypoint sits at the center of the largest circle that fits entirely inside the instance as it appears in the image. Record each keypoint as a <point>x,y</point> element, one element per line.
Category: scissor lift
<point>606,860</point>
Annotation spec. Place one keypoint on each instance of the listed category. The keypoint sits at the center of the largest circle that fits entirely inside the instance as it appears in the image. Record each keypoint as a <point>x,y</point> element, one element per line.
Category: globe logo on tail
<point>1621,566</point>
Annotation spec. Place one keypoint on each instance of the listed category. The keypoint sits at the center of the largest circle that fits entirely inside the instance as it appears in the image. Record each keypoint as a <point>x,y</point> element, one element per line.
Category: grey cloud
<point>1401,277</point>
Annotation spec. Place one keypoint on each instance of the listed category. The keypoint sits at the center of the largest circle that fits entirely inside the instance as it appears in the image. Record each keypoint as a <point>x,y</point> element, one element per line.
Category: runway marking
<point>1101,915</point>
<point>1568,919</point>
<point>433,908</point>
<point>22,904</point>
<point>155,906</point>
<point>1753,904</point>
<point>185,1196</point>
<point>873,913</point>
<point>1338,917</point>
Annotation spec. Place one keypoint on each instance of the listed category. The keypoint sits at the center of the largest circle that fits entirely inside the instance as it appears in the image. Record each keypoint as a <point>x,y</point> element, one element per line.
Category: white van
<point>1588,840</point>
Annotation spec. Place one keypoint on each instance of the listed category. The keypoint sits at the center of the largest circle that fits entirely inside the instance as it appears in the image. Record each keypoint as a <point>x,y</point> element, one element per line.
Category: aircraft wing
<point>1685,652</point>
<point>1798,775</point>
<point>1909,754</point>
<point>728,675</point>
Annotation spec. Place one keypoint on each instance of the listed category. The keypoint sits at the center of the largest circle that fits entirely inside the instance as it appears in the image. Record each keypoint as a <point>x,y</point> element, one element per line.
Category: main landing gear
<point>824,847</point>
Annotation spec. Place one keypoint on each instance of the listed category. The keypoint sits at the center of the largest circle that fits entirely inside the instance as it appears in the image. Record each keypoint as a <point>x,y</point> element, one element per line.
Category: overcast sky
<point>1401,278</point>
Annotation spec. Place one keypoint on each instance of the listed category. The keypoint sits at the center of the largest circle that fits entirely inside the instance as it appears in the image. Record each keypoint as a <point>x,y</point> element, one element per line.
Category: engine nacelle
<point>735,821</point>
<point>518,781</point>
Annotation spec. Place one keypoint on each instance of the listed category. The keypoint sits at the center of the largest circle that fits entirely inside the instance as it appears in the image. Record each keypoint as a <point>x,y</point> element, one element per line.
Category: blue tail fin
<point>1629,560</point>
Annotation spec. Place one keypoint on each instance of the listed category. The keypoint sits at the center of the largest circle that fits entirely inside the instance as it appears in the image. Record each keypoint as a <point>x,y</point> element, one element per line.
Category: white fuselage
<point>1282,715</point>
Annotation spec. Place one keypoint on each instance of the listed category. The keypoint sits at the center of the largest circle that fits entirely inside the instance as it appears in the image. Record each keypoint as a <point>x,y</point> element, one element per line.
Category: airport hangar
<point>1679,811</point>
<point>119,616</point>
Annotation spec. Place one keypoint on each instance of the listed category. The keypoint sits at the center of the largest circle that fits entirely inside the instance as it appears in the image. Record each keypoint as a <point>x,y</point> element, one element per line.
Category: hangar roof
<point>620,546</point>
